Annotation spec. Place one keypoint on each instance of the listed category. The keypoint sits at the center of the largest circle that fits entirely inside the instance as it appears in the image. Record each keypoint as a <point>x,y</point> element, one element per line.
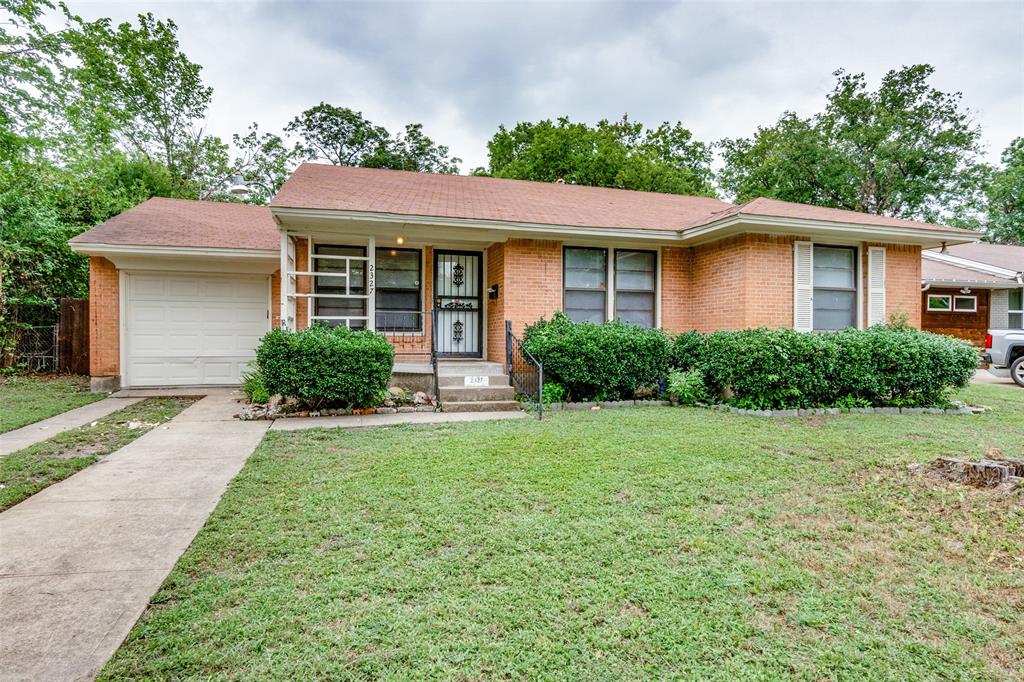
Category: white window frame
<point>1015,311</point>
<point>858,282</point>
<point>609,298</point>
<point>972,309</point>
<point>948,297</point>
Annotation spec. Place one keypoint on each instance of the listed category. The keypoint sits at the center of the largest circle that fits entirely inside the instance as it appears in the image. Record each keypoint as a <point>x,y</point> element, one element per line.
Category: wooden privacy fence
<point>73,336</point>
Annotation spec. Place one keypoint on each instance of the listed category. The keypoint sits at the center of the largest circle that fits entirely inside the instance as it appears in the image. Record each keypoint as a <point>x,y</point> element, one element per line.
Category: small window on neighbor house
<point>332,310</point>
<point>965,304</point>
<point>585,277</point>
<point>399,285</point>
<point>1016,308</point>
<point>835,287</point>
<point>940,302</point>
<point>634,286</point>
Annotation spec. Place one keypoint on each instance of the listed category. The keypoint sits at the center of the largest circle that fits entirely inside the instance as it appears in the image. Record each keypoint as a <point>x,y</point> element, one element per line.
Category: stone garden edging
<point>808,412</point>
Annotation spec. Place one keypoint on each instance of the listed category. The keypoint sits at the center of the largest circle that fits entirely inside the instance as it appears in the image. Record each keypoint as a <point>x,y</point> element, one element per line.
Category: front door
<point>458,303</point>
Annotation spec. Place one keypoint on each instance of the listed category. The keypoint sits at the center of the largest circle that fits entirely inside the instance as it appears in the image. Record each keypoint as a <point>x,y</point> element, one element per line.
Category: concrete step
<point>496,379</point>
<point>481,406</point>
<point>461,394</point>
<point>468,368</point>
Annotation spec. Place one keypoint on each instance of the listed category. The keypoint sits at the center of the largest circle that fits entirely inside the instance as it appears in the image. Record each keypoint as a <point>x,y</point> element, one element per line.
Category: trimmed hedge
<point>882,366</point>
<point>609,361</point>
<point>326,367</point>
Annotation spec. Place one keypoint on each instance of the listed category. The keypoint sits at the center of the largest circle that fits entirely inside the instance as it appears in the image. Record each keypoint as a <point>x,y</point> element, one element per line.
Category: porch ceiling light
<point>400,240</point>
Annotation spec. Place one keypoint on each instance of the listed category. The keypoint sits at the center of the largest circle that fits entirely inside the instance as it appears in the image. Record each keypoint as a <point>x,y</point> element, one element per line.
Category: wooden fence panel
<point>73,336</point>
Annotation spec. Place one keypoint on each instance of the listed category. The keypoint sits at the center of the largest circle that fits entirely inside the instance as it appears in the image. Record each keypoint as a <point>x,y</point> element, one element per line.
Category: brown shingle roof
<point>181,222</point>
<point>999,255</point>
<point>935,271</point>
<point>773,208</point>
<point>343,188</point>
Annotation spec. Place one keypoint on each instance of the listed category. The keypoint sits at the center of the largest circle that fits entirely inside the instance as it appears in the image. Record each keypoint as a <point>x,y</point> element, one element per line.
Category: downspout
<point>926,287</point>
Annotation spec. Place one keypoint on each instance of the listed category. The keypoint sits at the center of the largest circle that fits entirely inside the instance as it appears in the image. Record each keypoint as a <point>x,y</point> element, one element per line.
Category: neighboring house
<point>971,288</point>
<point>182,290</point>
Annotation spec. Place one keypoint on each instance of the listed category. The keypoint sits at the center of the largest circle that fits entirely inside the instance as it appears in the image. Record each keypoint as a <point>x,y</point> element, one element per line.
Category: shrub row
<point>754,368</point>
<point>609,361</point>
<point>782,369</point>
<point>326,367</point>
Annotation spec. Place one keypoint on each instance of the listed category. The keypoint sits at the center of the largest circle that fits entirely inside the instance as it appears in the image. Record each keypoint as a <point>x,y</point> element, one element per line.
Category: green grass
<point>633,544</point>
<point>28,399</point>
<point>25,472</point>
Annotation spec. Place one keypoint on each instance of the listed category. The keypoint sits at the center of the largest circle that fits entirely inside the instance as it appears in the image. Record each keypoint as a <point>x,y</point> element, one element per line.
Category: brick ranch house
<point>181,291</point>
<point>971,288</point>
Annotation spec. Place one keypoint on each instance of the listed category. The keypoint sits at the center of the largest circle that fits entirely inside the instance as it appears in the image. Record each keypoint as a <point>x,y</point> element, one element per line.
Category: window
<point>965,304</point>
<point>634,286</point>
<point>328,259</point>
<point>1016,308</point>
<point>399,282</point>
<point>940,302</point>
<point>585,273</point>
<point>945,303</point>
<point>835,287</point>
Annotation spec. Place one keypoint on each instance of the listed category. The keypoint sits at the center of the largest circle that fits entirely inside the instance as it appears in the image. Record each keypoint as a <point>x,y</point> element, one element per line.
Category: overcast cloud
<point>464,68</point>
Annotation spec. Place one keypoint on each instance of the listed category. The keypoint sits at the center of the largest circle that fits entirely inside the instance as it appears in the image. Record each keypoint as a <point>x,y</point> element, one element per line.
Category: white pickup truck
<point>1004,349</point>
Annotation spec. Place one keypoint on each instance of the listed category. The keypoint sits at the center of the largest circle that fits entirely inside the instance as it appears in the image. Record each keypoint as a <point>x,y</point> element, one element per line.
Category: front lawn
<point>28,399</point>
<point>25,472</point>
<point>631,544</point>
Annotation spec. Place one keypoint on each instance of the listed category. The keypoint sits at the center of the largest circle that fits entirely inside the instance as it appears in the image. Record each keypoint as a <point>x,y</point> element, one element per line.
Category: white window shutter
<point>876,285</point>
<point>803,286</point>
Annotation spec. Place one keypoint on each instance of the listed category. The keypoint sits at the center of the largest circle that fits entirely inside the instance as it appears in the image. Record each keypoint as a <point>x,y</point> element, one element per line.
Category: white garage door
<point>194,328</point>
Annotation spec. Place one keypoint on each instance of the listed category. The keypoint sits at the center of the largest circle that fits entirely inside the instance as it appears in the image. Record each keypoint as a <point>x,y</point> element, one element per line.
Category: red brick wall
<point>718,288</point>
<point>533,281</point>
<point>496,308</point>
<point>675,289</point>
<point>275,299</point>
<point>104,318</point>
<point>902,281</point>
<point>968,326</point>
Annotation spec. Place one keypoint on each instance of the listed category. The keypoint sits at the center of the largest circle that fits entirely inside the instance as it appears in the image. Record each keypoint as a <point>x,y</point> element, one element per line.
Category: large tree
<point>344,137</point>
<point>906,149</point>
<point>1005,218</point>
<point>619,153</point>
<point>138,90</point>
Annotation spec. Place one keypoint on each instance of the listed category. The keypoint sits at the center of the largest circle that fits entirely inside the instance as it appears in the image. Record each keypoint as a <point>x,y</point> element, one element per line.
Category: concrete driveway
<point>80,560</point>
<point>983,376</point>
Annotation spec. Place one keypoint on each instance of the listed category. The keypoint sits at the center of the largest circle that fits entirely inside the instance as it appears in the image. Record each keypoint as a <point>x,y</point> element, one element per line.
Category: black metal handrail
<point>433,359</point>
<point>525,371</point>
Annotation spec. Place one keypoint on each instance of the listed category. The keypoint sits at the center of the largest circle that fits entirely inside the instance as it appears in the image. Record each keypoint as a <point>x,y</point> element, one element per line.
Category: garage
<point>191,328</point>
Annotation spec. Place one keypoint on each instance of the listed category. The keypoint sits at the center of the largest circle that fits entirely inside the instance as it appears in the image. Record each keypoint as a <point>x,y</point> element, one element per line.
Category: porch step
<point>481,406</point>
<point>453,380</point>
<point>464,368</point>
<point>461,394</point>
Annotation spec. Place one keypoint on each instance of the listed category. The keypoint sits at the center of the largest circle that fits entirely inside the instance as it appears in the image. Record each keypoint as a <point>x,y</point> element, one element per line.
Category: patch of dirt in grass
<point>631,609</point>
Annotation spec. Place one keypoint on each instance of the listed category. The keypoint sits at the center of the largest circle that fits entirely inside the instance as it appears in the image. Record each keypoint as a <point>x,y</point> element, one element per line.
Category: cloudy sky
<point>463,68</point>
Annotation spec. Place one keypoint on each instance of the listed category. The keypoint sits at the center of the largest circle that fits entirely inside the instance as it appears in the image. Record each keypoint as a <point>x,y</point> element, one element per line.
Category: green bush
<point>882,366</point>
<point>609,361</point>
<point>254,389</point>
<point>326,367</point>
<point>686,388</point>
<point>688,350</point>
<point>552,392</point>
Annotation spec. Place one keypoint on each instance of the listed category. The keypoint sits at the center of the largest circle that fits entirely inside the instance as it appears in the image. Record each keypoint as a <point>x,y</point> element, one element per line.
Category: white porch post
<point>371,267</point>
<point>285,280</point>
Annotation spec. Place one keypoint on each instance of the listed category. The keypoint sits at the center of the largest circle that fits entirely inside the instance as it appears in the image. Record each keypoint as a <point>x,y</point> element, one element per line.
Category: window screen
<point>586,284</point>
<point>835,287</point>
<point>634,286</point>
<point>399,282</point>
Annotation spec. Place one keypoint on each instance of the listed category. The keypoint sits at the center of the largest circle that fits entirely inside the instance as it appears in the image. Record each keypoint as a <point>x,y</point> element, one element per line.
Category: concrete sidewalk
<point>13,441</point>
<point>80,560</point>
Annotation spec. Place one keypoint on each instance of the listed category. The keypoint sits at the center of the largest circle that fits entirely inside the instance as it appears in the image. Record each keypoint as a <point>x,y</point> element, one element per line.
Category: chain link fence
<point>35,348</point>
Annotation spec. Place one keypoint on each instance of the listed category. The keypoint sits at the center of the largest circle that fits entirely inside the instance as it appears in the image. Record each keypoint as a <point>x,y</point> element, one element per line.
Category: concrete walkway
<point>72,419</point>
<point>80,560</point>
<point>362,421</point>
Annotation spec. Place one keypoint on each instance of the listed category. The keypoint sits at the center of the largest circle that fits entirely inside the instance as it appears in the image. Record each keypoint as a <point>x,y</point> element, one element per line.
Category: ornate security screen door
<point>458,283</point>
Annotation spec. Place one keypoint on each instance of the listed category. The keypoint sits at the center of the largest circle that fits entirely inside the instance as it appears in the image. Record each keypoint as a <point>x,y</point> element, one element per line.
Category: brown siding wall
<point>104,318</point>
<point>968,326</point>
